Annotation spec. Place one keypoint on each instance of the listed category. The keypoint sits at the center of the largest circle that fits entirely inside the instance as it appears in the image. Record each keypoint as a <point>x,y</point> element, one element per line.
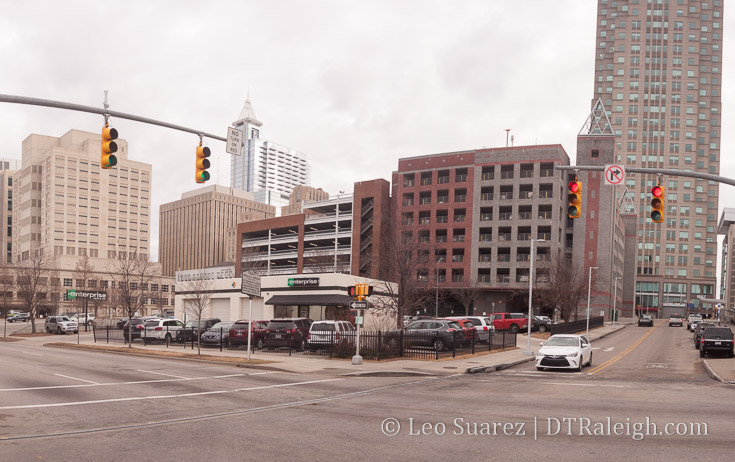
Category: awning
<point>311,299</point>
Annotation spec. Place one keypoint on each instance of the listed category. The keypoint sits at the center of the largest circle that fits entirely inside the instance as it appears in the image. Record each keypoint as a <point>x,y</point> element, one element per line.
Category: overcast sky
<point>355,85</point>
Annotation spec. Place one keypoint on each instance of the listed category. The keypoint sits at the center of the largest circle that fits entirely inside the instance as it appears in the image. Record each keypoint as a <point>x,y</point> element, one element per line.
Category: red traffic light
<point>656,191</point>
<point>352,291</point>
<point>574,187</point>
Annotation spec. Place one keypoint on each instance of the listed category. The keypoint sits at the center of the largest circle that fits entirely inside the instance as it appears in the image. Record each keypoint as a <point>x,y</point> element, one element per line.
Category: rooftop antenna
<point>507,132</point>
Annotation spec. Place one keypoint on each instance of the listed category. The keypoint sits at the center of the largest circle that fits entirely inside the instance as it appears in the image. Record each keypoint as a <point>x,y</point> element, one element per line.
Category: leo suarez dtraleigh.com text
<point>636,429</point>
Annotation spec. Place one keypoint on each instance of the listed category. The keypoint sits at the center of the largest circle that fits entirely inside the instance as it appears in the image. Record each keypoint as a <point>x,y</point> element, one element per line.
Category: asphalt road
<point>58,404</point>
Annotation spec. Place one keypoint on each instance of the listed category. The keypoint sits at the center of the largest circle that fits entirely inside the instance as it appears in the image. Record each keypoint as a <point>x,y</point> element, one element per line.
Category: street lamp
<point>436,305</point>
<point>589,288</point>
<point>615,300</point>
<point>530,298</point>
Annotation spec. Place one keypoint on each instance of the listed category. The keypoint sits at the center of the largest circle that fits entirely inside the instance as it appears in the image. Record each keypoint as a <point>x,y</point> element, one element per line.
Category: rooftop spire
<point>248,114</point>
<point>597,122</point>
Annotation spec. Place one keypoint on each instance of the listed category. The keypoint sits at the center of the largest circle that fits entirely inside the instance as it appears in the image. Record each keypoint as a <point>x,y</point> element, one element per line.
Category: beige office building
<point>67,207</point>
<point>8,168</point>
<point>198,230</point>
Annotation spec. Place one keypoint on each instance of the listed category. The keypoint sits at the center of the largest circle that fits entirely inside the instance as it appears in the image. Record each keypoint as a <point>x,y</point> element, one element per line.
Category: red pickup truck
<point>505,321</point>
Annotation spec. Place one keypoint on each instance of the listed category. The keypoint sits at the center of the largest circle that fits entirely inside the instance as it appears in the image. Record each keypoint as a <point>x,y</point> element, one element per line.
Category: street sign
<point>74,294</point>
<point>234,141</point>
<point>250,285</point>
<point>359,305</point>
<point>614,174</point>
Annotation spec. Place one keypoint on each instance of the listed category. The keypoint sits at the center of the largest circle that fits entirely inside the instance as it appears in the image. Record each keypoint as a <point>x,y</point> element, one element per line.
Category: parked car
<point>436,333</point>
<point>541,324</point>
<point>505,321</point>
<point>676,319</point>
<point>564,351</point>
<point>82,319</point>
<point>239,333</point>
<point>290,332</point>
<point>701,326</point>
<point>327,333</point>
<point>645,320</point>
<point>137,327</point>
<point>483,325</point>
<point>19,317</point>
<point>161,329</point>
<point>60,325</point>
<point>468,330</point>
<point>194,328</point>
<point>717,339</point>
<point>693,320</point>
<point>217,334</point>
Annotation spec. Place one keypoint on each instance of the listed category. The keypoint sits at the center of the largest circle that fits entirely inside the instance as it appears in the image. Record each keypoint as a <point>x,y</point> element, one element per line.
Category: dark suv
<point>287,332</point>
<point>698,332</point>
<point>192,329</point>
<point>718,339</point>
<point>239,333</point>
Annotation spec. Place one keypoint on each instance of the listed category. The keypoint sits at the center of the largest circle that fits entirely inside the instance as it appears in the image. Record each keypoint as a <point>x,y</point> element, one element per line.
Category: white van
<point>325,333</point>
<point>483,325</point>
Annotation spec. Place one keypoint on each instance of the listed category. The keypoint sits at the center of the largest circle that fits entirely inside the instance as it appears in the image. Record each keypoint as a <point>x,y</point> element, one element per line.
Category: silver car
<point>60,325</point>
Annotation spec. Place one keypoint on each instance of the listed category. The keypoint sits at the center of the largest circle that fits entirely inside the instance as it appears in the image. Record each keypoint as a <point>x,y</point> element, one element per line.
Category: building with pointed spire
<point>268,170</point>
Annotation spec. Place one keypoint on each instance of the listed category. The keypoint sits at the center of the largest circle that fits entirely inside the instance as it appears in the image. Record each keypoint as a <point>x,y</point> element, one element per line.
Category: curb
<point>498,367</point>
<point>714,375</point>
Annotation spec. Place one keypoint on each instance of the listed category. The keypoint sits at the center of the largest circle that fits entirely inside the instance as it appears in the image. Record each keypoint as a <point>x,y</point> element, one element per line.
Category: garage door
<point>221,309</point>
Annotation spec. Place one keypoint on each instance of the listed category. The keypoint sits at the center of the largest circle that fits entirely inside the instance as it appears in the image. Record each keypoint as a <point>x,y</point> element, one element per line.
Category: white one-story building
<point>315,295</point>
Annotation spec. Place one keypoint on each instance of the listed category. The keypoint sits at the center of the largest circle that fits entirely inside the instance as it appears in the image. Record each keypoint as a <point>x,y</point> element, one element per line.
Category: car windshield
<point>62,318</point>
<point>151,323</point>
<point>281,325</point>
<point>221,325</point>
<point>322,326</point>
<point>194,324</point>
<point>455,325</point>
<point>562,341</point>
<point>718,332</point>
<point>240,325</point>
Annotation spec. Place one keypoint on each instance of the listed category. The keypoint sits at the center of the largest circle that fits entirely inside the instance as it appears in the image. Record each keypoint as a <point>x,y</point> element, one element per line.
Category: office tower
<point>658,72</point>
<point>8,168</point>
<point>268,170</point>
<point>195,231</point>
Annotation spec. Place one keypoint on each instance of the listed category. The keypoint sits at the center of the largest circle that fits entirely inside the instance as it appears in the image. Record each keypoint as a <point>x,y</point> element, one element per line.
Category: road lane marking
<point>625,353</point>
<point>76,378</point>
<point>181,395</point>
<point>29,353</point>
<point>137,382</point>
<point>167,375</point>
<point>576,384</point>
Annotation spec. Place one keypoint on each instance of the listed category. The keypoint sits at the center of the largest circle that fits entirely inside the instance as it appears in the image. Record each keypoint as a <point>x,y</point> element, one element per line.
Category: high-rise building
<point>8,168</point>
<point>658,72</point>
<point>196,231</point>
<point>301,194</point>
<point>268,170</point>
<point>66,204</point>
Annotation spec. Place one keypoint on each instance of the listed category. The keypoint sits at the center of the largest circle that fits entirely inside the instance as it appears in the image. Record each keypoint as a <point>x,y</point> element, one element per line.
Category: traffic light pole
<point>105,112</point>
<point>655,171</point>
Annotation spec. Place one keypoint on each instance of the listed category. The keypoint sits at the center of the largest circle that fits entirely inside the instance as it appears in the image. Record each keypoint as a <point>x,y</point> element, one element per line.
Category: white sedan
<point>564,351</point>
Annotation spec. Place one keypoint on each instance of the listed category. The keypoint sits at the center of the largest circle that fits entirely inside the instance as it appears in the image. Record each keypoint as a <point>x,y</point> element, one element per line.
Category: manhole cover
<point>657,366</point>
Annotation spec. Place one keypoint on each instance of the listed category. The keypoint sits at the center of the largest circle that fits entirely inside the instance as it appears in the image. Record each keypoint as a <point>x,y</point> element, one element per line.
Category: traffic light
<point>360,290</point>
<point>109,147</point>
<point>352,291</point>
<point>203,164</point>
<point>574,209</point>
<point>657,204</point>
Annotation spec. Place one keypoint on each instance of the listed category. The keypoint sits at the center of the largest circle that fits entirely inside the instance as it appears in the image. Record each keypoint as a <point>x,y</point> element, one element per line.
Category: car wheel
<point>589,363</point>
<point>581,363</point>
<point>696,345</point>
<point>731,354</point>
<point>701,353</point>
<point>302,345</point>
<point>542,328</point>
<point>514,328</point>
<point>259,344</point>
<point>439,344</point>
<point>58,330</point>
<point>168,338</point>
<point>538,368</point>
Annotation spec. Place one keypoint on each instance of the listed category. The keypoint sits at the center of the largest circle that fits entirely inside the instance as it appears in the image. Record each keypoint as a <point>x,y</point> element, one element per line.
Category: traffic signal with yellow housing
<point>657,204</point>
<point>360,291</point>
<point>203,164</point>
<point>109,147</point>
<point>574,209</point>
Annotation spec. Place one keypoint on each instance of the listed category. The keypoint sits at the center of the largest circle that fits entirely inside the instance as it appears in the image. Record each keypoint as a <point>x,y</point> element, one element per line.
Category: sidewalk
<point>722,369</point>
<point>400,367</point>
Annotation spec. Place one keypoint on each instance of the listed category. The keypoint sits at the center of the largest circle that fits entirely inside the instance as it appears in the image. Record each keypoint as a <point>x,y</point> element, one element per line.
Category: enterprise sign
<point>303,282</point>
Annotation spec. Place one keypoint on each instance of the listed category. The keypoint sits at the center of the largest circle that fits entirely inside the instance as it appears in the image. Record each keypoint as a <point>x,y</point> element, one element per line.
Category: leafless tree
<point>566,287</point>
<point>197,298</point>
<point>131,274</point>
<point>30,280</point>
<point>82,273</point>
<point>466,296</point>
<point>6,287</point>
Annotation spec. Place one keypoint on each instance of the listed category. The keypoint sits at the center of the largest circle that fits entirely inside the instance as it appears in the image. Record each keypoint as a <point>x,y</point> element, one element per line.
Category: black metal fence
<point>576,326</point>
<point>374,345</point>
